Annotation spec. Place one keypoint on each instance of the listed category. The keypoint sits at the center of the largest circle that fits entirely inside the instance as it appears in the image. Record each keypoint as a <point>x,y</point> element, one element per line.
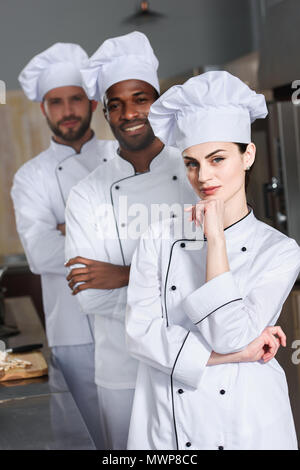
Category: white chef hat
<point>57,66</point>
<point>128,57</point>
<point>212,107</point>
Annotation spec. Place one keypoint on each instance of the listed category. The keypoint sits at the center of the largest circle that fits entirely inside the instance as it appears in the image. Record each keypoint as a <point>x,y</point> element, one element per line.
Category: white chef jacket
<point>175,319</point>
<point>40,190</point>
<point>99,234</point>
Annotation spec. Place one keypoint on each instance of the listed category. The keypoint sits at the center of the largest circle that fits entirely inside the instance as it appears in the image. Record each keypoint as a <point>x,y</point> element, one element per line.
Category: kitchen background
<point>257,40</point>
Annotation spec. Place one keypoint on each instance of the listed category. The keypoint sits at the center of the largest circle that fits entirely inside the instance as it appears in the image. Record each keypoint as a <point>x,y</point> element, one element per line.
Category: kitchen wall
<point>193,32</point>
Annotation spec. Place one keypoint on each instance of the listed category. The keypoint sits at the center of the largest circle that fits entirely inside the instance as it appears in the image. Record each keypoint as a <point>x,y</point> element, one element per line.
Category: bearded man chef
<point>123,74</point>
<point>40,190</point>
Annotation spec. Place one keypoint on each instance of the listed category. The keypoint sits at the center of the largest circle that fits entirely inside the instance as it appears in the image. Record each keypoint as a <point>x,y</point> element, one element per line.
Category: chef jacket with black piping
<point>40,190</point>
<point>175,320</point>
<point>99,234</point>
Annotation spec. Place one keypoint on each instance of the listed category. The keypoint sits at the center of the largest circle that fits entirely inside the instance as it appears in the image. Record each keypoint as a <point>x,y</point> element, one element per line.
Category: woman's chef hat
<point>128,57</point>
<point>55,67</point>
<point>212,107</point>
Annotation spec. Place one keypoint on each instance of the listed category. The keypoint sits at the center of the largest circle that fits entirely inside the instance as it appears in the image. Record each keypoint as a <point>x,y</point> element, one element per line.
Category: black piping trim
<point>168,269</point>
<point>167,321</point>
<point>57,178</point>
<point>235,300</point>
<point>67,158</point>
<point>113,207</point>
<point>172,392</point>
<point>64,202</point>
<point>239,220</point>
<point>123,179</point>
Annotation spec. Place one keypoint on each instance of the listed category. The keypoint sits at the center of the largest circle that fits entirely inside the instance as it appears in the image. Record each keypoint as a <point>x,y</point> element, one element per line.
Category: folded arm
<point>96,281</point>
<point>171,349</point>
<point>227,320</point>
<point>42,240</point>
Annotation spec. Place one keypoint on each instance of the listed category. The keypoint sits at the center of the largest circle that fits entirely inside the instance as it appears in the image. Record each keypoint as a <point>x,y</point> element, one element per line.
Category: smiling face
<point>68,112</point>
<point>127,104</point>
<point>217,169</point>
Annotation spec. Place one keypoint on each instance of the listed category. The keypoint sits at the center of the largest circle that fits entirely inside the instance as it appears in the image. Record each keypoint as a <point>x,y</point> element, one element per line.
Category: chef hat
<point>55,67</point>
<point>212,107</point>
<point>122,58</point>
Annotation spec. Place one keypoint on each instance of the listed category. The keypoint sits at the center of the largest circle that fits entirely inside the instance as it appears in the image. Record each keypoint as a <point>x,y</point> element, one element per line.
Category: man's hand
<point>61,228</point>
<point>263,348</point>
<point>96,275</point>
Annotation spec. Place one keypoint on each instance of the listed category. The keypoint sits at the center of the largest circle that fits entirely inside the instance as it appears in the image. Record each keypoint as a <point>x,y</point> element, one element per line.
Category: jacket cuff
<point>211,297</point>
<point>191,360</point>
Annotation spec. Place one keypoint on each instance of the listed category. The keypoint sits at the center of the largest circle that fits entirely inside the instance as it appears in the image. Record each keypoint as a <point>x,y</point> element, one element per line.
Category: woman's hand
<point>210,215</point>
<point>263,348</point>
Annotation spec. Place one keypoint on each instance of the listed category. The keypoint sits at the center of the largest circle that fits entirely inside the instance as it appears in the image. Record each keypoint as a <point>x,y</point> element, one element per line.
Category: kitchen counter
<point>38,413</point>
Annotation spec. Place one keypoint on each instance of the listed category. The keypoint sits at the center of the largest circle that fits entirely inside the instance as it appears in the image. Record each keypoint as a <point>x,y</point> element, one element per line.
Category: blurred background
<point>256,40</point>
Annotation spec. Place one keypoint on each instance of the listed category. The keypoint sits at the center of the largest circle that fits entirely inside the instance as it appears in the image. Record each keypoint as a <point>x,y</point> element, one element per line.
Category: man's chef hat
<point>212,107</point>
<point>55,67</point>
<point>128,57</point>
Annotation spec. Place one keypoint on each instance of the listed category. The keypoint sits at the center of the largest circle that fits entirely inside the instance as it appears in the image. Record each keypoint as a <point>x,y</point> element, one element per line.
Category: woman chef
<point>190,301</point>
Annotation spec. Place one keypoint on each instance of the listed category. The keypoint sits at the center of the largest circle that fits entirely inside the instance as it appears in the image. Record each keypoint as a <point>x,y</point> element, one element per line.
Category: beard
<point>71,135</point>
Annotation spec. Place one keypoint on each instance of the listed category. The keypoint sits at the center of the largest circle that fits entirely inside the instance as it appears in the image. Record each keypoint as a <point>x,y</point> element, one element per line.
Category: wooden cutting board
<point>38,367</point>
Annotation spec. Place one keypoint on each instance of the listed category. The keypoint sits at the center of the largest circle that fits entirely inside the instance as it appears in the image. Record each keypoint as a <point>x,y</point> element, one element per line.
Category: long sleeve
<point>85,236</point>
<point>227,320</point>
<point>171,349</point>
<point>36,223</point>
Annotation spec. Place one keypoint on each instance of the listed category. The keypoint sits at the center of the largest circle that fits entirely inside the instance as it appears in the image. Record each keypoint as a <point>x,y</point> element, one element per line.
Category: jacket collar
<point>128,168</point>
<point>61,151</point>
<point>241,228</point>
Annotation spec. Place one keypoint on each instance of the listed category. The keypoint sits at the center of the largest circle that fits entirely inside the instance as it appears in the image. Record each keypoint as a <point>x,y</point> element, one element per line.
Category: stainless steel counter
<point>38,413</point>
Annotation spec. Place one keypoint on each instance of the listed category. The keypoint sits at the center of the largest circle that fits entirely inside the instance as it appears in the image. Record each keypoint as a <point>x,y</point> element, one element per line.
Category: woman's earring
<point>248,168</point>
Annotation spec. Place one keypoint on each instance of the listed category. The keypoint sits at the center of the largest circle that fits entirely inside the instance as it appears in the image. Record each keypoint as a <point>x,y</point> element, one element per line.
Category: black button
<point>117,187</point>
<point>188,444</point>
<point>244,248</point>
<point>60,167</point>
<point>173,287</point>
<point>182,245</point>
<point>174,178</point>
<point>221,448</point>
<point>222,392</point>
<point>105,159</point>
<point>180,391</point>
